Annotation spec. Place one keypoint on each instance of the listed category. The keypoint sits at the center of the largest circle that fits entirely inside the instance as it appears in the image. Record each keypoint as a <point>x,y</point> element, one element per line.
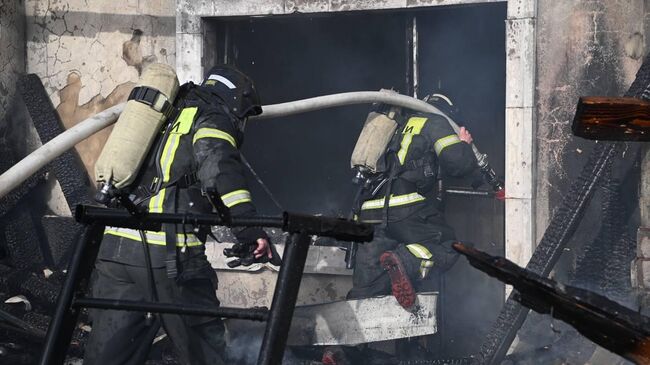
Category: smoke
<point>244,348</point>
<point>244,343</point>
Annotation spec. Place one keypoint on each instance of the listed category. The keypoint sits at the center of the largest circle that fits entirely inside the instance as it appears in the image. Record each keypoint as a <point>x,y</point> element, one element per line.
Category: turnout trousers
<point>424,227</point>
<point>123,337</point>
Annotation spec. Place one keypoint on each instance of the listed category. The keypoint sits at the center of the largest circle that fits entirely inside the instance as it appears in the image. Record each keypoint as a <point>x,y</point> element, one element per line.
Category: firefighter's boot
<point>400,284</point>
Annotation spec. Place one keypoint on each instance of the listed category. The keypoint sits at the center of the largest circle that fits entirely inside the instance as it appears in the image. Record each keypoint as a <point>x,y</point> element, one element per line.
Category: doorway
<point>304,159</point>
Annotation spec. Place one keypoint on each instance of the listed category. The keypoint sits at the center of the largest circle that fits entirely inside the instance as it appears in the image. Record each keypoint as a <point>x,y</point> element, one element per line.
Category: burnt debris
<point>35,245</point>
<point>605,322</point>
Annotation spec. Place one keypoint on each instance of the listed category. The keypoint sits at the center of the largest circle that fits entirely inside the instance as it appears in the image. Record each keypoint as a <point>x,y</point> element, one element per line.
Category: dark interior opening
<point>304,159</point>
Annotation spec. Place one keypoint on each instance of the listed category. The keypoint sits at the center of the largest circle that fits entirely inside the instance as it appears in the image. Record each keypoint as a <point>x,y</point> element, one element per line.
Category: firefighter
<point>412,240</point>
<point>194,167</point>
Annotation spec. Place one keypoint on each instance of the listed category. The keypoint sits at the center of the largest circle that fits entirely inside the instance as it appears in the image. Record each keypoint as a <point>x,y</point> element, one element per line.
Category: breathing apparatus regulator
<point>149,106</point>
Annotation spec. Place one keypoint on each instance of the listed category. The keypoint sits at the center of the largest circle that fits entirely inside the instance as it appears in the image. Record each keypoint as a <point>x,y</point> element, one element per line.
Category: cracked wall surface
<point>89,54</point>
<point>583,48</point>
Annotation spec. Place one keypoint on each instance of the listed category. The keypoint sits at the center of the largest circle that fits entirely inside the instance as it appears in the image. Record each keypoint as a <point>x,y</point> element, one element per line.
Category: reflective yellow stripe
<point>154,238</point>
<point>213,133</point>
<point>445,142</point>
<point>425,266</point>
<point>395,200</point>
<point>419,251</point>
<point>236,197</point>
<point>166,161</point>
<point>182,125</point>
<point>412,128</point>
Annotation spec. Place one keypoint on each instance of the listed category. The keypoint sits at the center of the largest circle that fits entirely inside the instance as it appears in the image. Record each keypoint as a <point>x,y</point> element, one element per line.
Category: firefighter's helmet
<point>234,89</point>
<point>444,103</point>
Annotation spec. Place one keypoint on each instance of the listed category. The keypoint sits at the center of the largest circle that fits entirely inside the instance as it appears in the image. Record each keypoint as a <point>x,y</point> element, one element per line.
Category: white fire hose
<point>29,165</point>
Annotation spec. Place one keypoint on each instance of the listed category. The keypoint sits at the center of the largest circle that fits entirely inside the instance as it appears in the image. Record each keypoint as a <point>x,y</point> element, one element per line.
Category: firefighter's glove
<point>243,253</point>
<point>244,250</point>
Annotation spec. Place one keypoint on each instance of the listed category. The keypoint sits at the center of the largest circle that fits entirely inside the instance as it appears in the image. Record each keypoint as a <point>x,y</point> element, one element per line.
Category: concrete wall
<point>641,268</point>
<point>583,48</point>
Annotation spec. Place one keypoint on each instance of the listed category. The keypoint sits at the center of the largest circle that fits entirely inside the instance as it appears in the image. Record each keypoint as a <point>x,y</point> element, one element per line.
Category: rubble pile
<point>27,301</point>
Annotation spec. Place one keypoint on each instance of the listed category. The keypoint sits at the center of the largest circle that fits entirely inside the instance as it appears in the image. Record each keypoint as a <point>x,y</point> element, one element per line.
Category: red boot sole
<point>400,283</point>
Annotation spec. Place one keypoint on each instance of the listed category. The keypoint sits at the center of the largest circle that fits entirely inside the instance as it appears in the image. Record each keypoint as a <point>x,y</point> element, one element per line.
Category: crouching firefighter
<point>399,160</point>
<point>192,166</point>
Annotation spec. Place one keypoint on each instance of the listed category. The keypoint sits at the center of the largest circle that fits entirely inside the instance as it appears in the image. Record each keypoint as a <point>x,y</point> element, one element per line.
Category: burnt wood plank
<point>67,168</point>
<point>612,119</point>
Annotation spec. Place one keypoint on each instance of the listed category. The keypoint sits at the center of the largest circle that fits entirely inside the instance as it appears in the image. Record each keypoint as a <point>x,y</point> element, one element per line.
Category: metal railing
<point>278,317</point>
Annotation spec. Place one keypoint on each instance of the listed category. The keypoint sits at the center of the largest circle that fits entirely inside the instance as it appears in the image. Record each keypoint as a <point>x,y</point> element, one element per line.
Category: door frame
<point>195,47</point>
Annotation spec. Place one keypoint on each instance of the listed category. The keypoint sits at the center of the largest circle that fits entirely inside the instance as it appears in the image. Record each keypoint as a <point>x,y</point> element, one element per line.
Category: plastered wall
<point>90,53</point>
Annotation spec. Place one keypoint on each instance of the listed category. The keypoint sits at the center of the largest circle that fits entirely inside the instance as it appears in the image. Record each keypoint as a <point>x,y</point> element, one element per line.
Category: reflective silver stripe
<point>427,263</point>
<point>236,197</point>
<point>445,142</point>
<point>223,80</point>
<point>154,238</point>
<point>395,200</point>
<point>419,251</point>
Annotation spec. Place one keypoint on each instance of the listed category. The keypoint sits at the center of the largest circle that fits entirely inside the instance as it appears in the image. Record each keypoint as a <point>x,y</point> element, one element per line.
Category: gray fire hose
<point>66,140</point>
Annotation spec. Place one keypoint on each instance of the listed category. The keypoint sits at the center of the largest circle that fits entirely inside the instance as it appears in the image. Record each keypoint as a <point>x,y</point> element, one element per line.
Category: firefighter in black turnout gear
<point>412,240</point>
<point>193,166</point>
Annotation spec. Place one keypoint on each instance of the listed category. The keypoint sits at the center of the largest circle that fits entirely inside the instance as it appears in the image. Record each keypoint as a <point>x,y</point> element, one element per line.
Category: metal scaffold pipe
<point>29,165</point>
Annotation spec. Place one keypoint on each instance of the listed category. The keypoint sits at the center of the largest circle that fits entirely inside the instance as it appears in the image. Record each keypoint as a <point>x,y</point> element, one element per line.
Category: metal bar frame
<point>59,332</point>
<point>278,318</point>
<point>284,300</point>
<point>253,314</point>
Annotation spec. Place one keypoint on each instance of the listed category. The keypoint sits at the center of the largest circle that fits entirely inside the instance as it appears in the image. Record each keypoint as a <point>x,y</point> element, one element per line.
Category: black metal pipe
<point>59,332</point>
<point>151,283</point>
<point>152,221</point>
<point>284,300</point>
<point>253,314</point>
<point>462,191</point>
<point>342,229</point>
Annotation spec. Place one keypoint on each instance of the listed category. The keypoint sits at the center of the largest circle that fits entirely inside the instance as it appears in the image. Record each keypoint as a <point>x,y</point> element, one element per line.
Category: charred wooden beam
<point>612,119</point>
<point>68,168</point>
<point>603,321</point>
